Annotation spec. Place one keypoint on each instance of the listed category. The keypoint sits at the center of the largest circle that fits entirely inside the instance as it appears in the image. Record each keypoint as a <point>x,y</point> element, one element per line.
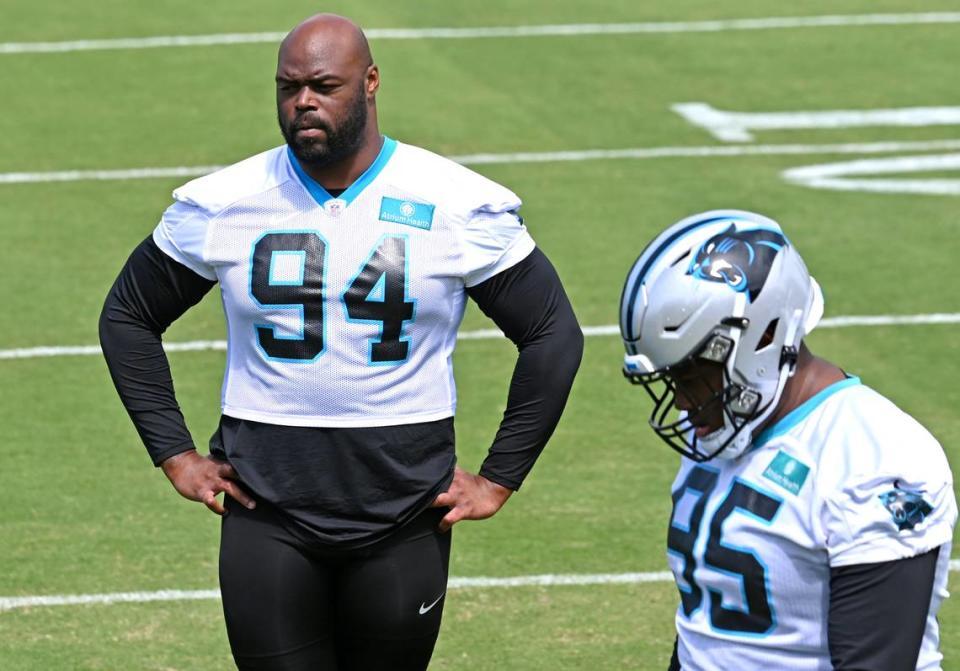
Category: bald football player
<point>344,260</point>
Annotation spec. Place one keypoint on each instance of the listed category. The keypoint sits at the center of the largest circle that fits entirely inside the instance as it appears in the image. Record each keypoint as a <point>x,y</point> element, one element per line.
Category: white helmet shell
<point>725,273</point>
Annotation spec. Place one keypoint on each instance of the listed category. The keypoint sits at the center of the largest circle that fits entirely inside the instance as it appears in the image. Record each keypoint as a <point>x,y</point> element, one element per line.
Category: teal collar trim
<point>322,196</point>
<point>798,414</point>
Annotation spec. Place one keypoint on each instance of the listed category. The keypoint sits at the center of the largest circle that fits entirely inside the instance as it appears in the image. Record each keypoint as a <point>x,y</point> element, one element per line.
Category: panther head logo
<point>907,506</point>
<point>740,259</point>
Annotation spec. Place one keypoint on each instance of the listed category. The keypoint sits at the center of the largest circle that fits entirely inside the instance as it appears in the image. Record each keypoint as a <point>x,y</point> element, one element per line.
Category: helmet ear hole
<point>767,338</point>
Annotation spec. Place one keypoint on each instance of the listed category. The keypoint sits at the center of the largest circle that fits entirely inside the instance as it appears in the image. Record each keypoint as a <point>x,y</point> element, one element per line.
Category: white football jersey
<point>343,312</point>
<point>846,478</point>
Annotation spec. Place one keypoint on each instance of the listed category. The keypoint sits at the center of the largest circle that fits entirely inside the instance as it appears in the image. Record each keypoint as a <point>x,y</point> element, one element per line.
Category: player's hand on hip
<point>201,479</point>
<point>470,497</point>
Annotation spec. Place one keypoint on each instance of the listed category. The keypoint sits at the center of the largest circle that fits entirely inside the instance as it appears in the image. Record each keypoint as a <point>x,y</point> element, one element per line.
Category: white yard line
<point>547,580</point>
<point>736,126</point>
<point>562,30</point>
<point>105,175</point>
<point>12,602</point>
<point>528,157</point>
<point>485,334</point>
<point>848,175</point>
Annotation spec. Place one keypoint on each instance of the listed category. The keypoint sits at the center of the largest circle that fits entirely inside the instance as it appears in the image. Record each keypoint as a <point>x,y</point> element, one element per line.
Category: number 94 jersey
<point>846,478</point>
<point>343,312</point>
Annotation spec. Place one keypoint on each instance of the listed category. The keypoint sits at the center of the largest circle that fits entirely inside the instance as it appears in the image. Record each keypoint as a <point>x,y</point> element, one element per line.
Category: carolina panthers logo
<point>741,259</point>
<point>907,506</point>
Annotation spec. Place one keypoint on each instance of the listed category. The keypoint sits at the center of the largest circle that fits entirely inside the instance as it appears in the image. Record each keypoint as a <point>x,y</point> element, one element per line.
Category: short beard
<point>343,140</point>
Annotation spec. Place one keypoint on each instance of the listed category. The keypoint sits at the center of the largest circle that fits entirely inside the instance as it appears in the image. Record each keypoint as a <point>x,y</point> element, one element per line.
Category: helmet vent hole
<point>767,338</point>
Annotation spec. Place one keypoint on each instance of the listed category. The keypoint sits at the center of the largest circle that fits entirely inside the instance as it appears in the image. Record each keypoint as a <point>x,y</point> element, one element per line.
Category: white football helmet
<point>727,287</point>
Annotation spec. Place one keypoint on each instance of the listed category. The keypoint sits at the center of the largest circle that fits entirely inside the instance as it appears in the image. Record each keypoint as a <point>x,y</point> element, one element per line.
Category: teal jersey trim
<point>801,412</point>
<point>363,181</point>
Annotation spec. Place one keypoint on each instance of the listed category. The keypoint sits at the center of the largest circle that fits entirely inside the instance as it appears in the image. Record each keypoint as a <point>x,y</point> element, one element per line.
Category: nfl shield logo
<point>334,206</point>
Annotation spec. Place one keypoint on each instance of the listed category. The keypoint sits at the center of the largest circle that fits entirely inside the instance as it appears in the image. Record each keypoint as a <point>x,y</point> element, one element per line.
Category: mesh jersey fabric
<point>412,233</point>
<point>752,540</point>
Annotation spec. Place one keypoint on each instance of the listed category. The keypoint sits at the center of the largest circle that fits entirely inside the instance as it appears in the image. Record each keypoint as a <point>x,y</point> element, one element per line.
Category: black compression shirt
<point>348,486</point>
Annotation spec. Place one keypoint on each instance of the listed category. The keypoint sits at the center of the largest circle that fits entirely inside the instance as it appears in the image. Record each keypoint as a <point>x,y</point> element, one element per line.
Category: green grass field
<point>83,511</point>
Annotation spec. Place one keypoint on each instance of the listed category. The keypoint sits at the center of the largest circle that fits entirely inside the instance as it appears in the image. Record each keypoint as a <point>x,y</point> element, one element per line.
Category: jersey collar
<point>322,196</point>
<point>798,414</point>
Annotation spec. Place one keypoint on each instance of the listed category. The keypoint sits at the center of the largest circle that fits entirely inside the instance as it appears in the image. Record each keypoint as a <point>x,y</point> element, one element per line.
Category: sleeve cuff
<point>166,453</point>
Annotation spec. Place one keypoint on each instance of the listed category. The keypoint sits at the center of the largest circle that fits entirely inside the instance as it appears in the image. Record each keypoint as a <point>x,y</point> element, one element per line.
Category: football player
<point>344,259</point>
<point>812,518</point>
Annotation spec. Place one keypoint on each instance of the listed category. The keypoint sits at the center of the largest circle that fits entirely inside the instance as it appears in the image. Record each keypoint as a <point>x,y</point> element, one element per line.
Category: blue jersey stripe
<point>798,414</point>
<point>321,195</point>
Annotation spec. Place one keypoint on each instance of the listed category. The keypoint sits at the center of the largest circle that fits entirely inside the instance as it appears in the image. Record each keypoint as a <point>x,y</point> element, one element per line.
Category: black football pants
<point>290,606</point>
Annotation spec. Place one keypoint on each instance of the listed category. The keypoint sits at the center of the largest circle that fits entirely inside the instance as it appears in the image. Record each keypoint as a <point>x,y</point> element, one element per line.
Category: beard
<point>342,138</point>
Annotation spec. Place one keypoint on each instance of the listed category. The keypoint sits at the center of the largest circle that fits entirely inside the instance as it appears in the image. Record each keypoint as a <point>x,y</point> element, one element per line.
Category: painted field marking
<point>648,153</point>
<point>483,334</point>
<point>554,30</point>
<point>844,176</point>
<point>736,126</point>
<point>546,580</point>
<point>856,175</point>
<point>106,175</point>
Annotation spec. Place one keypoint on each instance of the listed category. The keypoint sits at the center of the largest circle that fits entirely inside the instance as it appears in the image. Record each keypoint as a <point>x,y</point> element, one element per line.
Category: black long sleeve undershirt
<point>150,293</point>
<point>526,301</point>
<point>529,305</point>
<point>878,614</point>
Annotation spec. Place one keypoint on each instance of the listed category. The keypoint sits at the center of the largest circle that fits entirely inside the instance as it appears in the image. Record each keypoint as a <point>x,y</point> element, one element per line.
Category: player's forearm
<point>878,613</point>
<point>529,304</point>
<point>147,296</point>
<point>538,394</point>
<point>141,375</point>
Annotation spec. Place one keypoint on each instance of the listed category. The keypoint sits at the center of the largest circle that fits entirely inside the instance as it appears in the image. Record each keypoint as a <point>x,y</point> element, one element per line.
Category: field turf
<point>82,511</point>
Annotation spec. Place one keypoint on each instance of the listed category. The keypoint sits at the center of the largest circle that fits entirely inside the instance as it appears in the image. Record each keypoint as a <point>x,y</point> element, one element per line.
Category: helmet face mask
<point>712,314</point>
<point>698,410</point>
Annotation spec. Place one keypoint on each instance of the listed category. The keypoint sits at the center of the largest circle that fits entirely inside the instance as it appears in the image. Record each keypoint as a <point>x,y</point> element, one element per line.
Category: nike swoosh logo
<point>425,608</point>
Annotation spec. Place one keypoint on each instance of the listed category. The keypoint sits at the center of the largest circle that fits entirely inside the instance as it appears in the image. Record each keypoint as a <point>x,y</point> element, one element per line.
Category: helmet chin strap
<point>744,438</point>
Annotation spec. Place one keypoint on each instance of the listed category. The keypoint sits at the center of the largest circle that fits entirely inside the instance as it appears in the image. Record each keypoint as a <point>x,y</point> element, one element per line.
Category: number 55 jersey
<point>343,311</point>
<point>844,479</point>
